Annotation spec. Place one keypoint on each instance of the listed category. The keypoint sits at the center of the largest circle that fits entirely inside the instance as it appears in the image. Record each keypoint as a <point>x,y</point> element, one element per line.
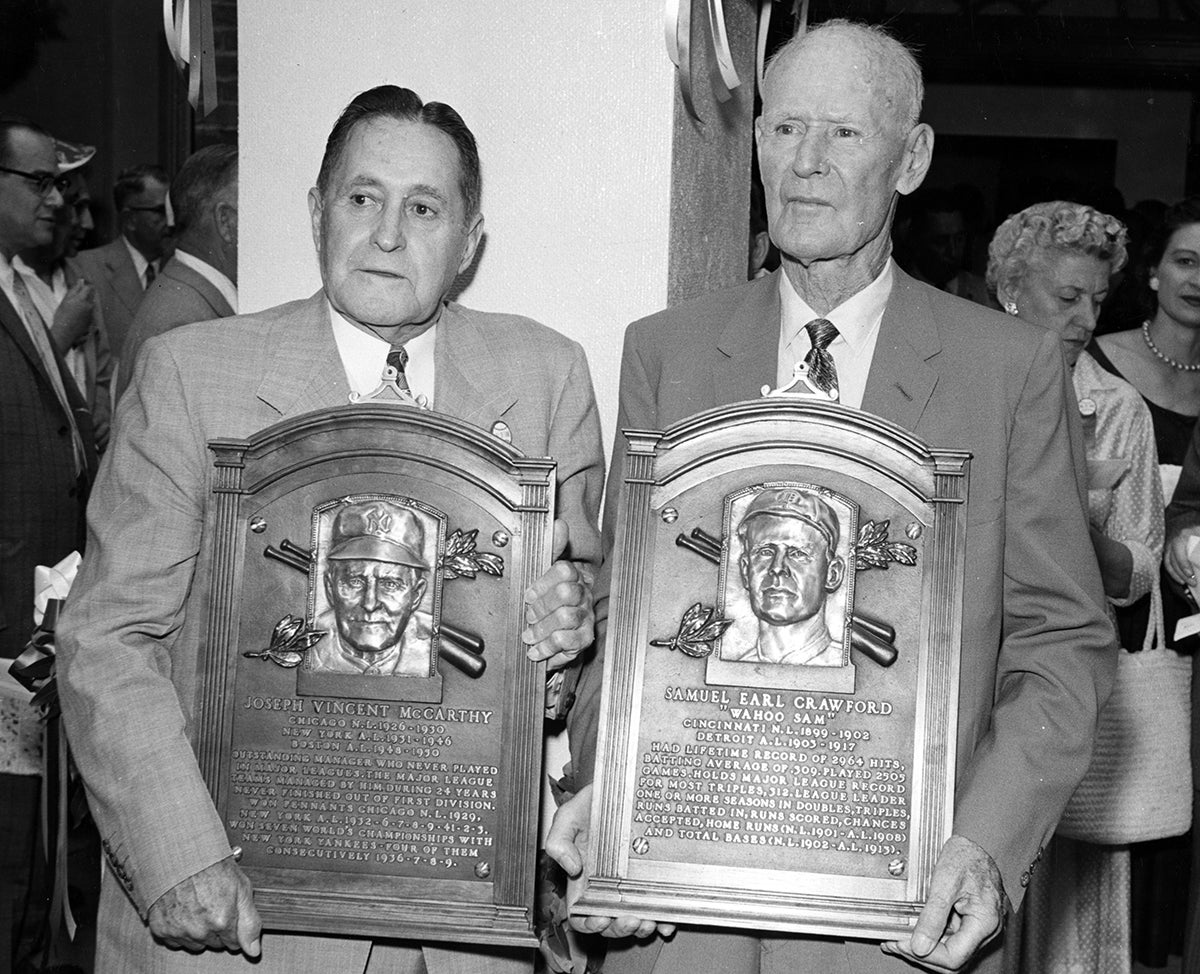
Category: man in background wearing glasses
<point>122,270</point>
<point>47,459</point>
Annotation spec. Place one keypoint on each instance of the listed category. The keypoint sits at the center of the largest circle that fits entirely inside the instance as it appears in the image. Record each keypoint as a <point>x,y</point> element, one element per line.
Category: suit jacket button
<point>1025,879</point>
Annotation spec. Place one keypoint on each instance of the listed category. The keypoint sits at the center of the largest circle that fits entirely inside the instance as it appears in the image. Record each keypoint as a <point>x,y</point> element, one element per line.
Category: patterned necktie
<point>397,358</point>
<point>35,325</point>
<point>821,370</point>
<point>150,275</point>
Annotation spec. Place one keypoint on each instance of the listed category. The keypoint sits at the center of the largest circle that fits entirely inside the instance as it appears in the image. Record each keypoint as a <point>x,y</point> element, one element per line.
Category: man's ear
<point>316,207</point>
<point>918,156</point>
<point>225,216</point>
<point>474,234</point>
<point>837,572</point>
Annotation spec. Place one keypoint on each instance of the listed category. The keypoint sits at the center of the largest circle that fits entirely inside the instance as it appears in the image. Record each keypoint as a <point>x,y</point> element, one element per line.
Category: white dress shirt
<point>364,357</point>
<point>46,298</point>
<point>139,262</point>
<point>214,277</point>
<point>857,320</point>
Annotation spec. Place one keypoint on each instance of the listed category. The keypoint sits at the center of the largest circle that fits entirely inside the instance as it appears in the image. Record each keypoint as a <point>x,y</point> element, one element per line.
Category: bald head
<point>876,57</point>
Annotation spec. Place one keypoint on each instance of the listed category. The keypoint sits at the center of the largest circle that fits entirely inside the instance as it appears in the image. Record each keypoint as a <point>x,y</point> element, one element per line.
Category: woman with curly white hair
<point>1050,264</point>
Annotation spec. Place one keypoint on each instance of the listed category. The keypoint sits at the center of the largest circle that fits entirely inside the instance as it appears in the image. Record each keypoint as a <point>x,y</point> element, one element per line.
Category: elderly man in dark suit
<point>839,138</point>
<point>200,281</point>
<point>395,217</point>
<point>46,457</point>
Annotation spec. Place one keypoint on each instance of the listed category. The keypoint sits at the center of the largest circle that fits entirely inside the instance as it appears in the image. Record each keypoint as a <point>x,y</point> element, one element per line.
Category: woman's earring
<point>1010,307</point>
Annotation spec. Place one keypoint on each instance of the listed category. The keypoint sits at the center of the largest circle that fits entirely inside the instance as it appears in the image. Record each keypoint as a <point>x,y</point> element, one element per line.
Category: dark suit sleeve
<point>127,729</point>
<point>635,410</point>
<point>1058,651</point>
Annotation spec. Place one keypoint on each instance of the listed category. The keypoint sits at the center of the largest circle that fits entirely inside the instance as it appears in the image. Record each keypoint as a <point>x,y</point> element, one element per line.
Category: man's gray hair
<point>206,173</point>
<point>879,45</point>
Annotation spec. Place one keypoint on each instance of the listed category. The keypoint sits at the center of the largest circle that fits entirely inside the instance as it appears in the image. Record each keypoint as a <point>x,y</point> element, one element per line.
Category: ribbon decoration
<point>724,56</point>
<point>766,8</point>
<point>34,670</point>
<point>677,30</point>
<point>188,27</point>
<point>799,12</point>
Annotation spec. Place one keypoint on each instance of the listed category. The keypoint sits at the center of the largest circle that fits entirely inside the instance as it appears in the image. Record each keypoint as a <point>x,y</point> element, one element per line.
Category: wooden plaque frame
<point>736,791</point>
<point>320,777</point>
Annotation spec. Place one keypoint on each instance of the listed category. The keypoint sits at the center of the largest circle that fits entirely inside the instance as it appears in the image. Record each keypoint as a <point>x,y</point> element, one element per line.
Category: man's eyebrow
<point>363,180</point>
<point>424,189</point>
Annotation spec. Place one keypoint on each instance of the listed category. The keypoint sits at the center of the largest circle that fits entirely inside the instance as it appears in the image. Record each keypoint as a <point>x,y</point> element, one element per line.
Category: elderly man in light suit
<point>839,138</point>
<point>395,217</point>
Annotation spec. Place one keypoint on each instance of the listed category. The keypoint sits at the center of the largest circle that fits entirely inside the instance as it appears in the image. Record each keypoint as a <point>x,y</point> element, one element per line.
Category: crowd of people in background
<point>1118,287</point>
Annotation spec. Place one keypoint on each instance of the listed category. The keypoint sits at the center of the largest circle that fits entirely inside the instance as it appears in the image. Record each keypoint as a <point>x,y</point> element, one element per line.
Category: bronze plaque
<point>369,723</point>
<point>776,746</point>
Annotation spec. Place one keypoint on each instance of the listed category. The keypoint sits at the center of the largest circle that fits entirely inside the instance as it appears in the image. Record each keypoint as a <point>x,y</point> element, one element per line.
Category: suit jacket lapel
<point>124,276</point>
<point>902,379</point>
<point>467,384</point>
<point>14,324</point>
<point>306,372</point>
<point>748,346</point>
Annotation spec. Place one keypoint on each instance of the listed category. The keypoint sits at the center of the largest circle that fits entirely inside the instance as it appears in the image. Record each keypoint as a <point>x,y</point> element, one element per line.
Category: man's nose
<point>370,599</point>
<point>809,159</point>
<point>389,232</point>
<point>779,566</point>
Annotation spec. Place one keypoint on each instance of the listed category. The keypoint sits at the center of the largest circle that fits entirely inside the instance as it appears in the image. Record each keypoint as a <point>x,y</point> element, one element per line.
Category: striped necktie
<point>397,358</point>
<point>821,370</point>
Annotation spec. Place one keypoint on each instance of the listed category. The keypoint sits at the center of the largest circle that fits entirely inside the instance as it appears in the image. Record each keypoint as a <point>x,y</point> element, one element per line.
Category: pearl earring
<point>1010,307</point>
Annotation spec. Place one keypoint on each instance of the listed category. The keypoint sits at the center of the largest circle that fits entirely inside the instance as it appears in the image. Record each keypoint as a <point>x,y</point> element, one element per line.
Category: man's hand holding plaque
<point>965,909</point>
<point>567,844</point>
<point>558,608</point>
<point>212,910</point>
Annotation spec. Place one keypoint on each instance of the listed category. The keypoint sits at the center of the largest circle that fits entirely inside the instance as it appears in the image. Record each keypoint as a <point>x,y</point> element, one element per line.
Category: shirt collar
<point>139,262</point>
<point>363,353</point>
<point>214,277</point>
<point>856,318</point>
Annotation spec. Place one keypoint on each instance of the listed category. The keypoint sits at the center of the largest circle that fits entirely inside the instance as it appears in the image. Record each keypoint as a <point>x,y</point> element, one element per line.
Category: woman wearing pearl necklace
<point>1162,361</point>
